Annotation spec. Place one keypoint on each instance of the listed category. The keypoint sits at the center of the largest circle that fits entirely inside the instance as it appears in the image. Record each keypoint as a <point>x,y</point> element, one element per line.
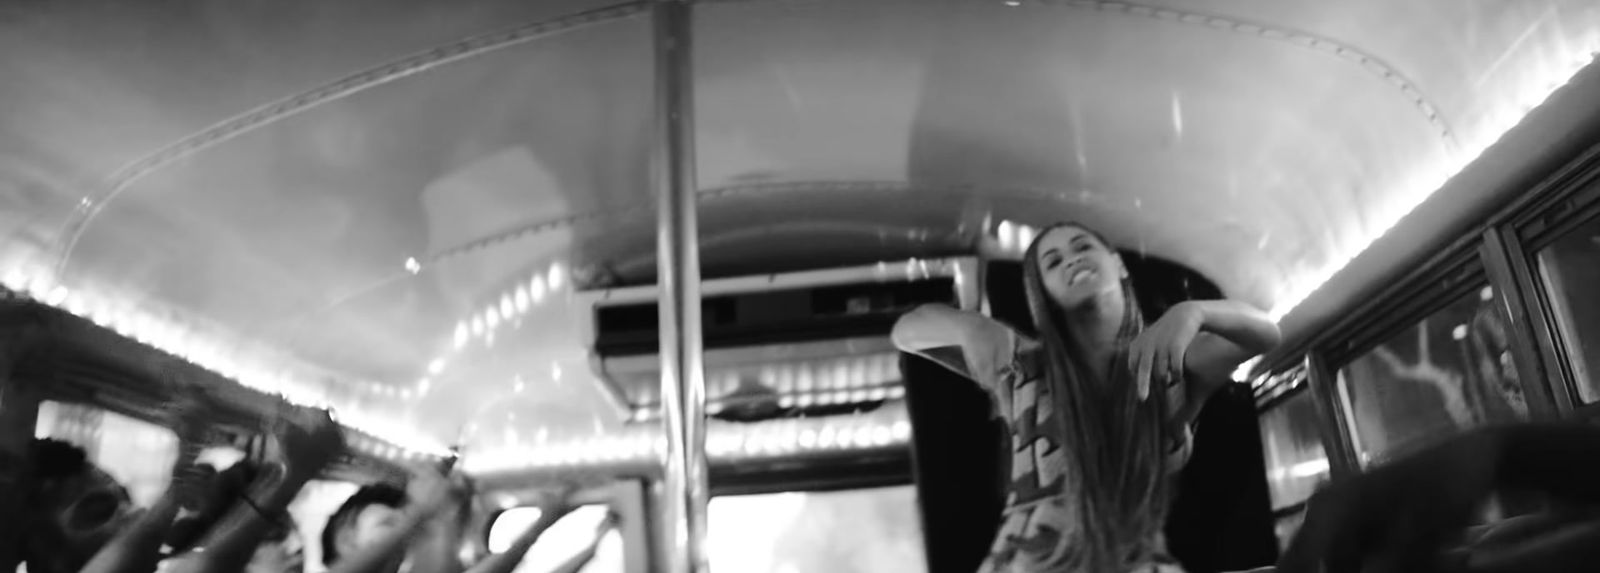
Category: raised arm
<point>436,551</point>
<point>309,441</point>
<point>956,339</point>
<point>1201,342</point>
<point>555,508</point>
<point>582,559</point>
<point>137,548</point>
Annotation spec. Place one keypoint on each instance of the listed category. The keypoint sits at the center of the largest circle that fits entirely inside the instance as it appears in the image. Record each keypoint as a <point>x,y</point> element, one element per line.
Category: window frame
<point>631,499</point>
<point>1558,206</point>
<point>1498,250</point>
<point>1452,273</point>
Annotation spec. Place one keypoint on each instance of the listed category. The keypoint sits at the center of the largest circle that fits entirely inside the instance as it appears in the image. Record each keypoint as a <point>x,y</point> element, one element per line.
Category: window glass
<point>864,530</point>
<point>1450,372</point>
<point>138,454</point>
<point>561,542</point>
<point>1296,460</point>
<point>1571,269</point>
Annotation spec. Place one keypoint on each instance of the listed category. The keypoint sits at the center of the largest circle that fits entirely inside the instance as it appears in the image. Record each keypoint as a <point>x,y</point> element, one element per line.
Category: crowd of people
<point>233,519</point>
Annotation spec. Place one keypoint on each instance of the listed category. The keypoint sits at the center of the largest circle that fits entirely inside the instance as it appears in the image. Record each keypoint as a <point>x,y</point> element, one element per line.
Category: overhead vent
<point>813,343</point>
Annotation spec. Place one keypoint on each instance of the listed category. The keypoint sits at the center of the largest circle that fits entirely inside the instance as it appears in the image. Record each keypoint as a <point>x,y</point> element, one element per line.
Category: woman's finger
<point>1142,375</point>
<point>1175,357</point>
<point>1158,364</point>
<point>1177,401</point>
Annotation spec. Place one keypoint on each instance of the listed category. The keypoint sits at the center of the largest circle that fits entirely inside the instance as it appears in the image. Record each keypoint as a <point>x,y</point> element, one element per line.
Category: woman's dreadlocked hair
<point>1115,442</point>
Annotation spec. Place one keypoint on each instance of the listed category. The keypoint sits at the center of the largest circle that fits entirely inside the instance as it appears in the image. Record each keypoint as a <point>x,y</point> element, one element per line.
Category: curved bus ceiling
<point>354,240</point>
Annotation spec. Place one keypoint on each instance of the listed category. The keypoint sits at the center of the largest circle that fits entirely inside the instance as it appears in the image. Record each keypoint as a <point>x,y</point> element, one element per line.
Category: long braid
<point>1116,442</point>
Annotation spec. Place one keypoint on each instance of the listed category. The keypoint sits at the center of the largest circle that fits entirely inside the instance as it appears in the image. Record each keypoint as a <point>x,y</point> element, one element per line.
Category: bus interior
<point>653,249</point>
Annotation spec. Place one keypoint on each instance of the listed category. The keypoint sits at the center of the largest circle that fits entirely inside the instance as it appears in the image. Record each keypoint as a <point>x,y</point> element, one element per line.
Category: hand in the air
<point>309,438</point>
<point>431,491</point>
<point>560,502</point>
<point>186,414</point>
<point>1157,353</point>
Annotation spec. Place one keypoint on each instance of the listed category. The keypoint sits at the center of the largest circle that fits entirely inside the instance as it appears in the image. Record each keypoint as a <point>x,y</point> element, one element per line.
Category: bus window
<point>1571,268</point>
<point>559,543</point>
<point>812,532</point>
<point>1296,460</point>
<point>137,453</point>
<point>1450,372</point>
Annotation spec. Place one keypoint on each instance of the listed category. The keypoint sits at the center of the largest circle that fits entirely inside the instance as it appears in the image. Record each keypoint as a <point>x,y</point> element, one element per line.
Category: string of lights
<point>725,442</point>
<point>213,348</point>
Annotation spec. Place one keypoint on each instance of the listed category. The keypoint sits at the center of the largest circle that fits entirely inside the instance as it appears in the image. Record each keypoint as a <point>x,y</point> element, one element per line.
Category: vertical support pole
<point>19,412</point>
<point>1337,436</point>
<point>678,274</point>
<point>1545,383</point>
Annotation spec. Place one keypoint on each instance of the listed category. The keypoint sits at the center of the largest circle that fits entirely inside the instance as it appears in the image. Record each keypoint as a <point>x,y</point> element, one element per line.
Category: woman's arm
<point>436,551</point>
<point>582,559</point>
<point>507,561</point>
<point>309,441</point>
<point>956,339</point>
<point>137,548</point>
<point>1237,332</point>
<point>1201,342</point>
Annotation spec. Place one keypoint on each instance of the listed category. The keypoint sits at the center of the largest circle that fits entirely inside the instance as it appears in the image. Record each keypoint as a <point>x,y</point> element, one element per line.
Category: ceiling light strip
<point>1429,180</point>
<point>724,442</point>
<point>208,346</point>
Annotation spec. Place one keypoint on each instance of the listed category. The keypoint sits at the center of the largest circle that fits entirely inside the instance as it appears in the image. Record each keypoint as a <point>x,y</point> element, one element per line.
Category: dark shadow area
<point>959,459</point>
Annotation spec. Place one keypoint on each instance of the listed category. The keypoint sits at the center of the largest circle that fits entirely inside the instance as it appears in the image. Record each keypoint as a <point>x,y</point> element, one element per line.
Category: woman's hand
<point>188,479</point>
<point>1159,351</point>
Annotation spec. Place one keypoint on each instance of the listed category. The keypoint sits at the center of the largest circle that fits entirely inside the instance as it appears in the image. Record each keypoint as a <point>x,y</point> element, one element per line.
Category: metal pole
<point>19,413</point>
<point>678,274</point>
<point>1337,432</point>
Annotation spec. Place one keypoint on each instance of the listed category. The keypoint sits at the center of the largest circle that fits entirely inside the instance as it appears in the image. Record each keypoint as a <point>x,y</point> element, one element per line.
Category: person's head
<point>365,517</point>
<point>1070,267</point>
<point>283,551</point>
<point>221,492</point>
<point>75,508</point>
<point>1119,443</point>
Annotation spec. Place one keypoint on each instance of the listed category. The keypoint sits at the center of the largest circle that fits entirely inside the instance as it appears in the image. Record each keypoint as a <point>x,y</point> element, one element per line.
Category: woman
<point>1092,455</point>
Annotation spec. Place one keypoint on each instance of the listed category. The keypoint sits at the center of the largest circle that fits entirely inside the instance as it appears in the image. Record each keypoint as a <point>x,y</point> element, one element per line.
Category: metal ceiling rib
<point>370,78</point>
<point>420,62</point>
<point>1368,62</point>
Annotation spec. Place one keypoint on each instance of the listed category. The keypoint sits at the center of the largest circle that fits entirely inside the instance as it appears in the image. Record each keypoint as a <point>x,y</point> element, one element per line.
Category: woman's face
<point>1077,268</point>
